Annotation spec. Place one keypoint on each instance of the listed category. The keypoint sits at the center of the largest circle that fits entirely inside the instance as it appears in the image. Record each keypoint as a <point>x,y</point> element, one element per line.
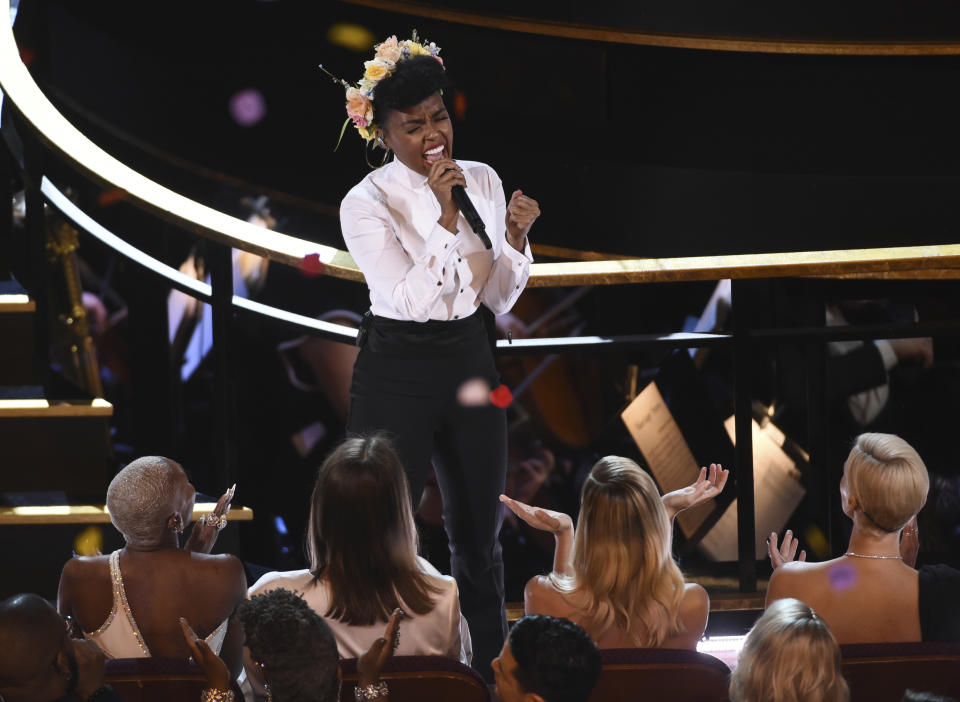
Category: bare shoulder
<point>221,562</point>
<point>695,598</point>
<point>541,597</point>
<point>294,580</point>
<point>85,567</point>
<point>793,578</point>
<point>695,609</point>
<point>222,568</point>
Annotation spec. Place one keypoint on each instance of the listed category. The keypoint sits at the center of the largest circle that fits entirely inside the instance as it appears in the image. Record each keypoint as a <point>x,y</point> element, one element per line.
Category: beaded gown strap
<point>120,601</point>
<point>215,640</point>
<point>113,607</point>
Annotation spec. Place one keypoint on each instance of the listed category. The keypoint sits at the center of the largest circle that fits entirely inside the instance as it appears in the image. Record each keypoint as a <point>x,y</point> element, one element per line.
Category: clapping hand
<point>708,485</point>
<point>205,531</point>
<point>787,550</point>
<point>371,663</point>
<point>910,542</point>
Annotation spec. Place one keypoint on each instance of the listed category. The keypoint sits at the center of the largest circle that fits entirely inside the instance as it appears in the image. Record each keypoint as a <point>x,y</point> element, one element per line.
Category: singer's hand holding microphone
<point>444,174</point>
<point>446,179</point>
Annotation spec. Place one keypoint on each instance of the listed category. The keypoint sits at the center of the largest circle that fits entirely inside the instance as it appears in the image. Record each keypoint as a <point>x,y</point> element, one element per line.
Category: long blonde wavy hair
<point>624,572</point>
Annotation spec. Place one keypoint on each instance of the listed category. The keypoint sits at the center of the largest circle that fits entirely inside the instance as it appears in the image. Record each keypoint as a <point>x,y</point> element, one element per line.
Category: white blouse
<point>417,270</point>
<point>442,631</point>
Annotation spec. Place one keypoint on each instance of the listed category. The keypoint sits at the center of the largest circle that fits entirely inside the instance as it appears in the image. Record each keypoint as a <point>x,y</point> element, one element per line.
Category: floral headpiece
<point>388,55</point>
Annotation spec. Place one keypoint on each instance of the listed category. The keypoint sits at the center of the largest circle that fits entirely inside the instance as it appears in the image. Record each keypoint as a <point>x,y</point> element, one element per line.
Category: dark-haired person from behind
<point>362,548</point>
<point>293,654</point>
<point>40,662</point>
<point>546,659</point>
<point>433,286</point>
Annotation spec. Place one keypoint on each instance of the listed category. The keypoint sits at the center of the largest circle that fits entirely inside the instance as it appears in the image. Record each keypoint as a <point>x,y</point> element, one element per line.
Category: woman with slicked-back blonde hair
<point>790,655</point>
<point>869,594</point>
<point>615,575</point>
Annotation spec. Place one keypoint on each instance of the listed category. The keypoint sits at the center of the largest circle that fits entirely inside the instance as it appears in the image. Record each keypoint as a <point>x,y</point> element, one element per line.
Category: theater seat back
<point>157,679</point>
<point>660,674</point>
<point>883,672</point>
<point>420,678</point>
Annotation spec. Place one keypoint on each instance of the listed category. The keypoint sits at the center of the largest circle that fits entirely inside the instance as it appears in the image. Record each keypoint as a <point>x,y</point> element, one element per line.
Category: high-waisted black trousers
<point>405,384</point>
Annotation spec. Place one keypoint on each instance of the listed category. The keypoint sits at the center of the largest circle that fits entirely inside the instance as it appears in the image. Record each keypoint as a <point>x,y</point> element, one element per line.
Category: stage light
<point>351,36</point>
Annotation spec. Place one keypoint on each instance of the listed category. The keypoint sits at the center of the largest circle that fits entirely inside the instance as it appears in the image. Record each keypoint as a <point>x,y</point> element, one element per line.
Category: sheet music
<point>777,492</point>
<point>654,430</point>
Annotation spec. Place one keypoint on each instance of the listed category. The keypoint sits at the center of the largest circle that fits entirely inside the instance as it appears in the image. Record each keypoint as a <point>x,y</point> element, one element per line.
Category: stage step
<point>16,334</point>
<point>12,511</point>
<point>54,444</point>
<point>41,531</point>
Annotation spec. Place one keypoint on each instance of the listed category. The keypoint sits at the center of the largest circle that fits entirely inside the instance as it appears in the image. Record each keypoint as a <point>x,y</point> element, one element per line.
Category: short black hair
<point>413,81</point>
<point>556,659</point>
<point>294,644</point>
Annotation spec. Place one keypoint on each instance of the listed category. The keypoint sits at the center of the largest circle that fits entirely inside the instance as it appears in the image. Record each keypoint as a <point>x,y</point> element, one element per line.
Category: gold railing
<point>639,37</point>
<point>937,261</point>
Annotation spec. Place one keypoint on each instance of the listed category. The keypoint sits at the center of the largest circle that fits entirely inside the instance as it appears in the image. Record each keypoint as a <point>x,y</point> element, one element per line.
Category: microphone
<point>469,213</point>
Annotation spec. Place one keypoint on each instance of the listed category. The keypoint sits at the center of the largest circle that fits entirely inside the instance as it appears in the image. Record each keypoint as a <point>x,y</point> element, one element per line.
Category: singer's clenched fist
<point>522,212</point>
<point>444,174</point>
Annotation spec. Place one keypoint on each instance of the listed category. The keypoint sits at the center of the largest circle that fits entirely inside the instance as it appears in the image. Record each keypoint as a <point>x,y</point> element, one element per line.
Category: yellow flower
<point>365,133</point>
<point>376,70</point>
<point>416,49</point>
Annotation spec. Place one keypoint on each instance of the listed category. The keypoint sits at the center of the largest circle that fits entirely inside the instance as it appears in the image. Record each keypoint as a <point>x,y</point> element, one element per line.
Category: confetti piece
<point>460,105</point>
<point>111,197</point>
<point>843,576</point>
<point>311,266</point>
<point>248,107</point>
<point>474,393</point>
<point>501,396</point>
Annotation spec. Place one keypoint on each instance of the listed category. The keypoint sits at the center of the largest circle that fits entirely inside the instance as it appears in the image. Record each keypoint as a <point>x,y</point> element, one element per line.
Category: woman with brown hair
<point>615,576</point>
<point>362,547</point>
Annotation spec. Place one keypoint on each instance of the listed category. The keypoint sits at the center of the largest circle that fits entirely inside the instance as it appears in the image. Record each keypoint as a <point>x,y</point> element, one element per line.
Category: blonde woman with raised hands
<point>615,575</point>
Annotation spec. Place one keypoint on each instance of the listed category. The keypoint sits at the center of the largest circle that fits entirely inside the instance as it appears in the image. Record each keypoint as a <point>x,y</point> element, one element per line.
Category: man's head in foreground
<point>546,659</point>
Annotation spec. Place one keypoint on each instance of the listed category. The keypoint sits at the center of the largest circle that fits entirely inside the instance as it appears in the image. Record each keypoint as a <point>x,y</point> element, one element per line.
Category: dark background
<point>633,150</point>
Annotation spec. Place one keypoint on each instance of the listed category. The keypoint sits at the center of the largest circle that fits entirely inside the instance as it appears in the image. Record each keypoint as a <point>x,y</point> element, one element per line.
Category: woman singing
<point>425,336</point>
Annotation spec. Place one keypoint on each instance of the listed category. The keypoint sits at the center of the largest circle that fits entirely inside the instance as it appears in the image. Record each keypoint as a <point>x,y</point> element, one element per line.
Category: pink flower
<point>359,107</point>
<point>389,50</point>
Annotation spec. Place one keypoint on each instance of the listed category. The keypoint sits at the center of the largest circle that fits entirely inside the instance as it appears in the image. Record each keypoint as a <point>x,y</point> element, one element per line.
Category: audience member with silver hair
<point>790,655</point>
<point>869,594</point>
<point>129,603</point>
